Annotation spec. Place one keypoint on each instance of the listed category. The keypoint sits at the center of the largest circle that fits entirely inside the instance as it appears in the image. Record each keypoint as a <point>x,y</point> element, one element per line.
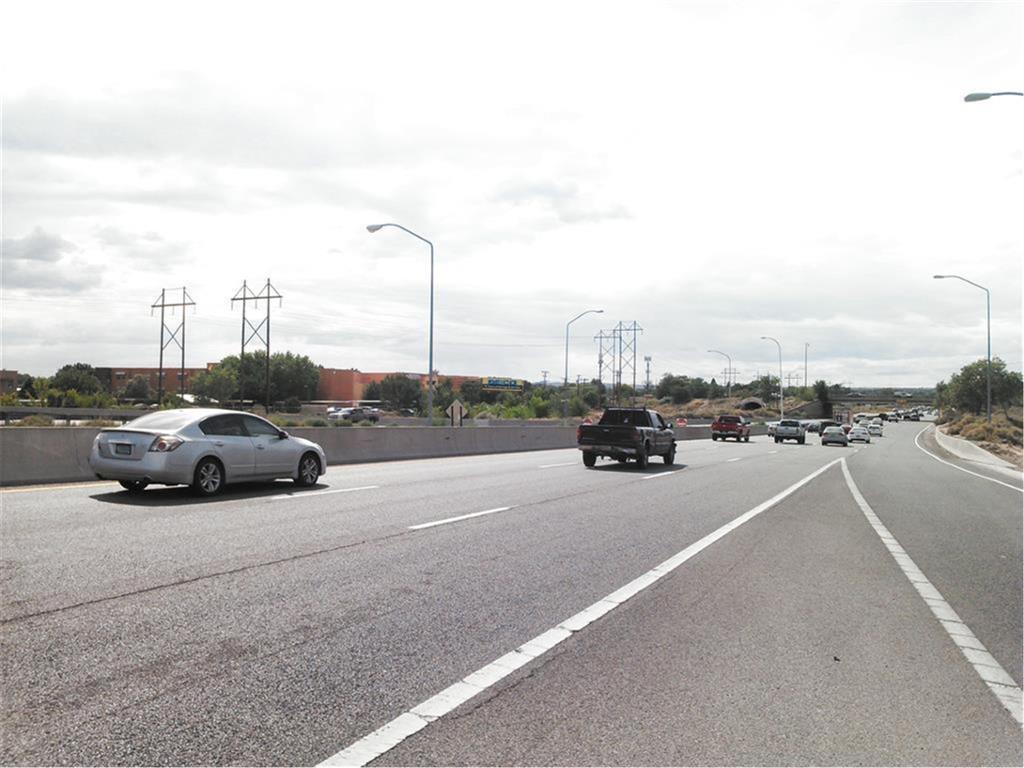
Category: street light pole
<point>430,353</point>
<point>806,345</point>
<point>988,323</point>
<point>983,96</point>
<point>782,391</point>
<point>581,314</point>
<point>728,376</point>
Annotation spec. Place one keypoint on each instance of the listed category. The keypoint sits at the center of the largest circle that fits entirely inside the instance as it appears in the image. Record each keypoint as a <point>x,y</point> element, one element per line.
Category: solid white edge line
<point>565,464</point>
<point>305,494</point>
<point>737,458</point>
<point>460,517</point>
<point>388,736</point>
<point>989,670</point>
<point>954,466</point>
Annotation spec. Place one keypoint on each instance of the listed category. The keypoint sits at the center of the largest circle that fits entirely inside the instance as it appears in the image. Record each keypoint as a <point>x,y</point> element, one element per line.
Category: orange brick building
<point>350,384</point>
<point>115,379</point>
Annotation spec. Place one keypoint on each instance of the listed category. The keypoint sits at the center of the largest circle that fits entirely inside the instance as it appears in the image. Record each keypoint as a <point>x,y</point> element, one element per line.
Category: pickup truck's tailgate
<point>596,434</point>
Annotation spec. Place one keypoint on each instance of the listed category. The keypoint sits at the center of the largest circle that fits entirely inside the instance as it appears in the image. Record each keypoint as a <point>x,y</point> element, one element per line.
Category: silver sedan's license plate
<point>123,449</point>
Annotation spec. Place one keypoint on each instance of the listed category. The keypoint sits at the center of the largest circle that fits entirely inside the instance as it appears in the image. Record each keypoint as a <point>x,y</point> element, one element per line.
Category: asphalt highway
<point>272,626</point>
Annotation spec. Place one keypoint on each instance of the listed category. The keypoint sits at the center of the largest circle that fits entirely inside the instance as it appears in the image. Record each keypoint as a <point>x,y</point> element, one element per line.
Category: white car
<point>205,448</point>
<point>875,429</point>
<point>859,433</point>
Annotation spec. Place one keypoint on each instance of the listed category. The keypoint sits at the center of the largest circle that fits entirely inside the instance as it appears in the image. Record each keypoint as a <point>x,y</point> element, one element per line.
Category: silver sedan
<point>205,448</point>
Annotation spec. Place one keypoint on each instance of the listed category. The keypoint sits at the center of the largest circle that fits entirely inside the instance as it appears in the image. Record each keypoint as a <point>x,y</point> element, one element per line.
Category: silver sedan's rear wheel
<point>309,470</point>
<point>209,478</point>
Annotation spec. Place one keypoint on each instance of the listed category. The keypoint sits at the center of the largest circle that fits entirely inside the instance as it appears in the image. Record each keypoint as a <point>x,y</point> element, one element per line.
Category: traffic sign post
<point>456,411</point>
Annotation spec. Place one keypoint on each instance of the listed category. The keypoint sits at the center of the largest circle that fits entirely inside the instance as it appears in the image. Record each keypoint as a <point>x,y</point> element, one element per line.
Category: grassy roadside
<point>1003,437</point>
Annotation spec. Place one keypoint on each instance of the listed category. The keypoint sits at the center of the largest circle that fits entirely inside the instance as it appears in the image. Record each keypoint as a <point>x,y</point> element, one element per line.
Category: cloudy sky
<point>714,171</point>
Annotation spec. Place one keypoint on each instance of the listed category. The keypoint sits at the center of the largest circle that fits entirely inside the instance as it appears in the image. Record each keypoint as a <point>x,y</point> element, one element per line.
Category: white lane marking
<point>770,452</point>
<point>564,464</point>
<point>306,494</point>
<point>375,744</point>
<point>989,670</point>
<point>660,474</point>
<point>954,466</point>
<point>56,487</point>
<point>736,459</point>
<point>460,517</point>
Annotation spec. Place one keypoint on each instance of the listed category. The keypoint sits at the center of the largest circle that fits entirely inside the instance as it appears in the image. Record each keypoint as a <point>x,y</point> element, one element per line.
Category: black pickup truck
<point>627,433</point>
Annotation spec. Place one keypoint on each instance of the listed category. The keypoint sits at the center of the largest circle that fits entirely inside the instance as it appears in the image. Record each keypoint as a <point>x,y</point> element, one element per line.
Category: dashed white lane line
<point>563,464</point>
<point>770,452</point>
<point>660,474</point>
<point>307,494</point>
<point>991,671</point>
<point>460,517</point>
<point>736,459</point>
<point>954,466</point>
<point>388,736</point>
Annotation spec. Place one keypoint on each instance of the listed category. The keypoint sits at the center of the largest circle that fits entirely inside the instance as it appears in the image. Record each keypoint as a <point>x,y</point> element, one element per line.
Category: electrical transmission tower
<point>545,375</point>
<point>627,352</point>
<point>608,342</point>
<point>261,332</point>
<point>177,336</point>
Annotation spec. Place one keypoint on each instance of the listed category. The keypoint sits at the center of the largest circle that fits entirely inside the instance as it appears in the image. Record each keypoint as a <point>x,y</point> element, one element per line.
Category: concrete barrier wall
<point>61,454</point>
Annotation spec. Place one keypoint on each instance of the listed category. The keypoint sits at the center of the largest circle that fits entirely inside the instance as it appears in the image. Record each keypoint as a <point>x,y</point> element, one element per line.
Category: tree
<point>219,383</point>
<point>821,392</point>
<point>292,375</point>
<point>967,389</point>
<point>28,387</point>
<point>714,390</point>
<point>372,391</point>
<point>401,391</point>
<point>80,377</point>
<point>137,389</point>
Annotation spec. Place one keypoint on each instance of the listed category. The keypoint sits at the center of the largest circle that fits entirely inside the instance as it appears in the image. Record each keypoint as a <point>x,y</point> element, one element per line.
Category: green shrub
<point>316,423</point>
<point>341,423</point>
<point>292,405</point>
<point>101,423</point>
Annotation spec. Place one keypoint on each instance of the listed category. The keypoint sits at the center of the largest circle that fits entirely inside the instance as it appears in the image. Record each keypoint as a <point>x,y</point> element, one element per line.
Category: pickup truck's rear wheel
<point>670,457</point>
<point>714,437</point>
<point>641,457</point>
<point>589,459</point>
<point>746,438</point>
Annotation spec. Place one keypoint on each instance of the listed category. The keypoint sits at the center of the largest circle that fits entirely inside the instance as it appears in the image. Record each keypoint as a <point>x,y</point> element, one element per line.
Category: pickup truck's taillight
<point>579,432</point>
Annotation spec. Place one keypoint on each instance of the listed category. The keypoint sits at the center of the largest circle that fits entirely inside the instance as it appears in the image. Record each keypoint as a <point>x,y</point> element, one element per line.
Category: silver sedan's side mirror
<point>282,435</point>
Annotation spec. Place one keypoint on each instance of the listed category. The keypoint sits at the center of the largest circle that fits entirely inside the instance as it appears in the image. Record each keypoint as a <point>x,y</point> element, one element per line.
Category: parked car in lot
<point>859,434</point>
<point>730,426</point>
<point>357,413</point>
<point>790,429</point>
<point>834,436</point>
<point>627,433</point>
<point>202,447</point>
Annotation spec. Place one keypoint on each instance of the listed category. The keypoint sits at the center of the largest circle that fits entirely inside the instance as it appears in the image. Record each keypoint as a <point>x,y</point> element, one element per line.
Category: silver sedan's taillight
<point>165,444</point>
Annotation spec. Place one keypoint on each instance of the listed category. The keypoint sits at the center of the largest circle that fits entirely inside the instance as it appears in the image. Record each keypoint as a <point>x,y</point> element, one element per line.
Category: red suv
<point>730,426</point>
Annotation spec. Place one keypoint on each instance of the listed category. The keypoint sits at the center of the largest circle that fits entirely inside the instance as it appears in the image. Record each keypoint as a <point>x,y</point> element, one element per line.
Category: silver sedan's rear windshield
<point>165,421</point>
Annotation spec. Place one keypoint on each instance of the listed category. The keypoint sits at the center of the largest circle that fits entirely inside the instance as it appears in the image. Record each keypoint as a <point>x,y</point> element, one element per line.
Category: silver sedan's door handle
<point>261,447</point>
<point>218,443</point>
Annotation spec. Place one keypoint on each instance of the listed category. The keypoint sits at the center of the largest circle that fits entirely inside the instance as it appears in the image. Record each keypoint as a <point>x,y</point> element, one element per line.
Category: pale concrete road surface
<point>269,627</point>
